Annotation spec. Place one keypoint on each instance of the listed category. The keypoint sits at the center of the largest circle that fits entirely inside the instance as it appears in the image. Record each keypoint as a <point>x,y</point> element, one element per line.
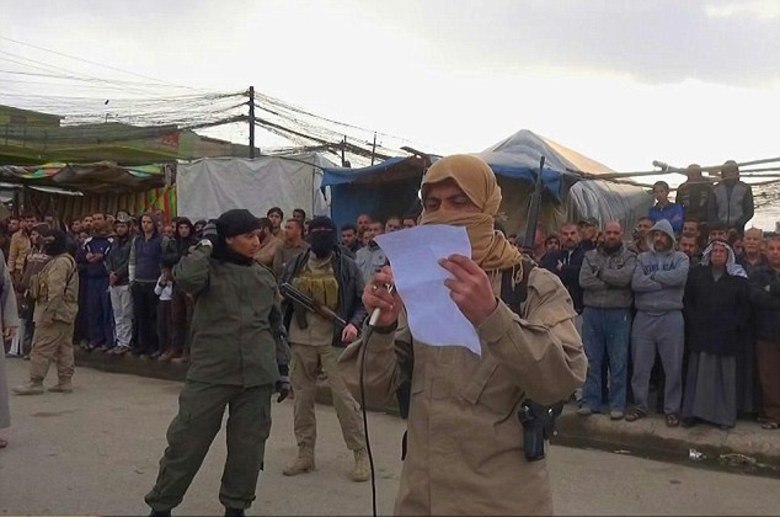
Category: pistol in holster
<point>538,426</point>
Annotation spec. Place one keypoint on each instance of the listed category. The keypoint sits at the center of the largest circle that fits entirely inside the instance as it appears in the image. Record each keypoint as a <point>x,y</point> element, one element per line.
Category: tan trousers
<point>52,342</point>
<point>305,362</point>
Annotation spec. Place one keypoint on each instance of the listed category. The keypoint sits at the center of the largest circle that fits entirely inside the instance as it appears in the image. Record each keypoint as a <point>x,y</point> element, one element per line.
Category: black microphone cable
<point>362,358</point>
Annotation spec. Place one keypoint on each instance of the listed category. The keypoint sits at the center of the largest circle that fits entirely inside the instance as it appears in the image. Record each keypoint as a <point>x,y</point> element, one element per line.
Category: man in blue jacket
<point>100,316</point>
<point>659,285</point>
<point>665,209</point>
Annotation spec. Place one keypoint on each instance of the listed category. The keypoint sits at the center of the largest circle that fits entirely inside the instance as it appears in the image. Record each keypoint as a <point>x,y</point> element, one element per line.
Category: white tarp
<point>208,187</point>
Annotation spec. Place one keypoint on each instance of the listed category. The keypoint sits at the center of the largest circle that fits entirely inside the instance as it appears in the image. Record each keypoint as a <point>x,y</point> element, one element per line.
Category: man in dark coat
<point>717,311</point>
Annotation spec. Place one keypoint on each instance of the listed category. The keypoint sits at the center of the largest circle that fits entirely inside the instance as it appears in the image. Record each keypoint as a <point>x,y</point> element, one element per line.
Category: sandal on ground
<point>770,425</point>
<point>635,414</point>
<point>672,420</point>
<point>3,443</point>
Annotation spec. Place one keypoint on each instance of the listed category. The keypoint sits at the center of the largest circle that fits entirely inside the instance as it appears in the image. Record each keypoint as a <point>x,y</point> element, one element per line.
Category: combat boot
<point>32,387</point>
<point>63,386</point>
<point>362,470</point>
<point>302,464</point>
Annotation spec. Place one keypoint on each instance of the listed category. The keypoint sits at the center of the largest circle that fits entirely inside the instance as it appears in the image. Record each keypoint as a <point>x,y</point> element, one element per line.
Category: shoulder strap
<point>514,291</point>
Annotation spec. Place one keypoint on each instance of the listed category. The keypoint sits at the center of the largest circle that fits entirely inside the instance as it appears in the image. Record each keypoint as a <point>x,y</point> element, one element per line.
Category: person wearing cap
<point>465,443</point>
<point>665,209</point>
<point>694,194</point>
<point>731,202</point>
<point>56,293</point>
<point>332,279</point>
<point>238,359</point>
<point>589,233</point>
<point>118,266</point>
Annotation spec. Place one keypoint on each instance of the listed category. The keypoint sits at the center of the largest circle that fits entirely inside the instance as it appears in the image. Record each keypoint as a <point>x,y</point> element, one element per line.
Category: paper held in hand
<point>414,255</point>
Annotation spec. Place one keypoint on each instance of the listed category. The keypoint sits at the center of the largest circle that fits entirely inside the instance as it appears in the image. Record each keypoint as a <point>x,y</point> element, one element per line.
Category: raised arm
<point>192,272</point>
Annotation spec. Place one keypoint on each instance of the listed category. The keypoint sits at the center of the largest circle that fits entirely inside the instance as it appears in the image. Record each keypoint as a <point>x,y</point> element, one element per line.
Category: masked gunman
<point>333,281</point>
<point>238,359</point>
<point>56,293</point>
<point>466,447</point>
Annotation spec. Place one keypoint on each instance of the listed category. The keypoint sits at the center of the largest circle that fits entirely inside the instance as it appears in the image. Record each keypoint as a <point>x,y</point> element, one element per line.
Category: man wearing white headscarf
<point>717,312</point>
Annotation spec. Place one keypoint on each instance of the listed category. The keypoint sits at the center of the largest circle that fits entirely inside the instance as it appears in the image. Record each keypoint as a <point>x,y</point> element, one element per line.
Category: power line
<point>96,63</point>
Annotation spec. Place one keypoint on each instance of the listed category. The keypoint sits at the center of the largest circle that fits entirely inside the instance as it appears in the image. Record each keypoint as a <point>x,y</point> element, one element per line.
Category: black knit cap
<point>322,222</point>
<point>237,222</point>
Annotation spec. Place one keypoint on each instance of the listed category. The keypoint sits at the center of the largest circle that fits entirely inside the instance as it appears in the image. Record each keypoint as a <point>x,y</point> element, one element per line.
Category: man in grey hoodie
<point>659,284</point>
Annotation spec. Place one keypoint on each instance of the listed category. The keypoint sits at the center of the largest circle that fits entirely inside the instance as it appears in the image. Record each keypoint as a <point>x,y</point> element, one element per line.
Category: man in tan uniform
<point>56,293</point>
<point>20,247</point>
<point>466,451</point>
<point>332,279</point>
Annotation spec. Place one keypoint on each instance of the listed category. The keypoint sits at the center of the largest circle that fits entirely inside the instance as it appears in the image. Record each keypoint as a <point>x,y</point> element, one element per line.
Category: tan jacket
<point>17,253</point>
<point>465,442</point>
<point>56,291</point>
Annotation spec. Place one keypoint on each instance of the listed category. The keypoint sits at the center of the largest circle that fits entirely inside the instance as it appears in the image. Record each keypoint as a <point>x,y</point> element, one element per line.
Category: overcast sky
<point>624,82</point>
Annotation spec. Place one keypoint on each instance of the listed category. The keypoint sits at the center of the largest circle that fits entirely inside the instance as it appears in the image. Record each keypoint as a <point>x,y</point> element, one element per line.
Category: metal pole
<point>251,121</point>
<point>373,149</point>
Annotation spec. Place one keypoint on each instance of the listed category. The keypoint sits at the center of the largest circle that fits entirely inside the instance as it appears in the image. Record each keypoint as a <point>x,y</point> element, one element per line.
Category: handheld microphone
<point>378,312</point>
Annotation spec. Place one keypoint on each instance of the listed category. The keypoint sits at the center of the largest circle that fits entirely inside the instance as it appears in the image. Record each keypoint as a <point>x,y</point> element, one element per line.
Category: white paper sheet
<point>414,255</point>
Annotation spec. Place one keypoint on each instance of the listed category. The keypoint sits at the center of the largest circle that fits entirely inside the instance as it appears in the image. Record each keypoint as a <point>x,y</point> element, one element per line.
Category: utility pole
<point>251,121</point>
<point>373,150</point>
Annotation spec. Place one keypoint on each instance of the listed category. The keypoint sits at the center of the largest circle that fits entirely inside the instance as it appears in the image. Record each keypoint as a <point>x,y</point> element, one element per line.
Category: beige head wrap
<point>489,248</point>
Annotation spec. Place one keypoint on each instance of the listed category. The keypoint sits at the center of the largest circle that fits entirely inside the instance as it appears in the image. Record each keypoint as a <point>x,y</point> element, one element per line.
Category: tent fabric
<point>518,157</point>
<point>208,187</point>
<point>89,178</point>
<point>515,160</point>
<point>343,175</point>
<point>68,207</point>
<point>387,189</point>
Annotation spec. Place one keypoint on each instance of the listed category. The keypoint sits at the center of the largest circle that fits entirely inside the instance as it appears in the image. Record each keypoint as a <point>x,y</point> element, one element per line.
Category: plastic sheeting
<point>391,187</point>
<point>208,187</point>
<point>515,160</point>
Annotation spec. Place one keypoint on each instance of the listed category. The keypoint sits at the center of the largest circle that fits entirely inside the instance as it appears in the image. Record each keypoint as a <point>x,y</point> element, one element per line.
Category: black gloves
<point>283,387</point>
<point>210,232</point>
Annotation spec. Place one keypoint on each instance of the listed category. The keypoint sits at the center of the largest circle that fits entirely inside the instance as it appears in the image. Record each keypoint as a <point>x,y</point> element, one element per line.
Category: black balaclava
<point>55,243</point>
<point>322,236</point>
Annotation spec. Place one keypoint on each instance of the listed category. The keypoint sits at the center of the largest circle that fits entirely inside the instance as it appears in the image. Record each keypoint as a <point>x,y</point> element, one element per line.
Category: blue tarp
<point>341,175</point>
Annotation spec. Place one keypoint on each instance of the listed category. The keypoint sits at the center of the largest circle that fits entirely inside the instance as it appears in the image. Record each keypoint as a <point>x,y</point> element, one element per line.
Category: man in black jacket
<point>566,263</point>
<point>333,280</point>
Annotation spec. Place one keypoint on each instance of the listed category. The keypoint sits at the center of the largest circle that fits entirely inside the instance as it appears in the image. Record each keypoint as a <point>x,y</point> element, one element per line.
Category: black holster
<point>538,426</point>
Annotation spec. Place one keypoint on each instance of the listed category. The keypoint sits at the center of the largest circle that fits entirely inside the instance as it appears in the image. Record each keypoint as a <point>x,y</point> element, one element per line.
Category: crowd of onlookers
<point>688,304</point>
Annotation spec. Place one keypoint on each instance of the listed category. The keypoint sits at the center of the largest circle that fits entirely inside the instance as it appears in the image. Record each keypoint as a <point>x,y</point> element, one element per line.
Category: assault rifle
<point>534,207</point>
<point>310,304</point>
